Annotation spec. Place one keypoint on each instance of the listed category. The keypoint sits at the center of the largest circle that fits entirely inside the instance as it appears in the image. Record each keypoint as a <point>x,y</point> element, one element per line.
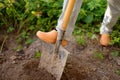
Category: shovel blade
<point>51,62</point>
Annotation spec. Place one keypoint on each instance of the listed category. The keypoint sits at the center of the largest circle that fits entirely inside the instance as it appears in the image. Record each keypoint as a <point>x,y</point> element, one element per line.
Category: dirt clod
<point>118,61</point>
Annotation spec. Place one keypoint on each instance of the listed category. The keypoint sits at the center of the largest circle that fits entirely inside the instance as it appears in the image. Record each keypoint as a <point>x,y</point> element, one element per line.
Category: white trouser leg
<point>73,18</point>
<point>111,16</point>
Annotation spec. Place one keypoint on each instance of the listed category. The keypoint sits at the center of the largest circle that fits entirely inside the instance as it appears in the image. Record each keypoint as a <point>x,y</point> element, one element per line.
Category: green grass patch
<point>98,55</point>
<point>37,54</point>
<point>115,53</point>
<point>117,71</point>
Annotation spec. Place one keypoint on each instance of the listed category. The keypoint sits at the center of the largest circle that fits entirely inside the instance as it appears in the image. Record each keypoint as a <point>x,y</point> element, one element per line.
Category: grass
<point>98,55</point>
<point>117,71</point>
<point>115,53</point>
<point>37,54</point>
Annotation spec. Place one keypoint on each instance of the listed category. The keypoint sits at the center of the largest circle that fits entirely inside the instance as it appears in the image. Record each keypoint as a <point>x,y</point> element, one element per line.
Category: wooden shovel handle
<point>67,14</point>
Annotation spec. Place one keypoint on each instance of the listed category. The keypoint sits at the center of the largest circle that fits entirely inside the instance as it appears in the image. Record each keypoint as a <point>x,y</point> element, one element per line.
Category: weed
<point>19,48</point>
<point>115,36</point>
<point>79,36</point>
<point>81,40</point>
<point>10,29</point>
<point>115,53</point>
<point>37,54</point>
<point>117,71</point>
<point>98,55</point>
<point>29,41</point>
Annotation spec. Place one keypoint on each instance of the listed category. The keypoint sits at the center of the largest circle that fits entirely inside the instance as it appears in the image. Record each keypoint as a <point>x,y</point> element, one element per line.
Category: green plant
<point>98,55</point>
<point>28,16</point>
<point>29,41</point>
<point>92,11</point>
<point>25,17</point>
<point>115,35</point>
<point>10,29</point>
<point>117,71</point>
<point>19,48</point>
<point>79,36</point>
<point>115,53</point>
<point>37,54</point>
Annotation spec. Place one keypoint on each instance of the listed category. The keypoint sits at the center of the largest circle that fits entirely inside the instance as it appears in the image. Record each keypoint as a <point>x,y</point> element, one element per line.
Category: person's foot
<point>105,39</point>
<point>49,37</point>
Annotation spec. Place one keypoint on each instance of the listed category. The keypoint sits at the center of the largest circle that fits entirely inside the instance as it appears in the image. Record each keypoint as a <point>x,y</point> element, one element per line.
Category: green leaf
<point>47,0</point>
<point>98,55</point>
<point>31,27</point>
<point>37,54</point>
<point>10,29</point>
<point>1,5</point>
<point>29,41</point>
<point>94,36</point>
<point>89,18</point>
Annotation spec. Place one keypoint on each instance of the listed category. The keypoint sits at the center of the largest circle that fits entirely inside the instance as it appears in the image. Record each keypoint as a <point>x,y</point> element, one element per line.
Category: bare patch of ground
<point>90,62</point>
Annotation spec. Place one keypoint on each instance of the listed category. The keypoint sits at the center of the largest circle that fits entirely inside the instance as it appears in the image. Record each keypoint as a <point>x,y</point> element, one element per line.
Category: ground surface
<point>84,62</point>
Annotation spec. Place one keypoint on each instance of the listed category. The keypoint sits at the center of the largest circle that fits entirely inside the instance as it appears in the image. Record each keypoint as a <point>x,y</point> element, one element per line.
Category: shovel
<point>54,57</point>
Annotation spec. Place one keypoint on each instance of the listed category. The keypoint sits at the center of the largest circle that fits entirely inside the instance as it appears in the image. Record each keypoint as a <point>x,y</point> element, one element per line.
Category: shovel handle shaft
<point>65,22</point>
<point>67,14</point>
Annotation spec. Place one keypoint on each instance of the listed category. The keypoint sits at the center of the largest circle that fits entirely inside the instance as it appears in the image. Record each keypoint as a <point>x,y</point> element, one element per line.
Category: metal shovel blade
<point>54,64</point>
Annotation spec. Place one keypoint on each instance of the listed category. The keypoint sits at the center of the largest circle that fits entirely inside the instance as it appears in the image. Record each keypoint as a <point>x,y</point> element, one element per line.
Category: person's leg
<point>110,18</point>
<point>51,36</point>
<point>73,18</point>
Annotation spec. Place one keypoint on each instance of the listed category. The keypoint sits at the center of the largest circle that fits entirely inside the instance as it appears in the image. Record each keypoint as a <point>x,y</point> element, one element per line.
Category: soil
<point>89,62</point>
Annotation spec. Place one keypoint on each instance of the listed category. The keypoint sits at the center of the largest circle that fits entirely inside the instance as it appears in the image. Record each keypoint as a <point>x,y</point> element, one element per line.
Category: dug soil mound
<point>89,62</point>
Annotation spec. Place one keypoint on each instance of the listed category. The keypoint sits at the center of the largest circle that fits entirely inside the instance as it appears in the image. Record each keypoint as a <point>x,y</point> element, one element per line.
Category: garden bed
<point>90,62</point>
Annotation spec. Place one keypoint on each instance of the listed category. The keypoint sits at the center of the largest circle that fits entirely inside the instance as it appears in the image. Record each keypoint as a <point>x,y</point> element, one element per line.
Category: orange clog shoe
<point>105,39</point>
<point>50,37</point>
